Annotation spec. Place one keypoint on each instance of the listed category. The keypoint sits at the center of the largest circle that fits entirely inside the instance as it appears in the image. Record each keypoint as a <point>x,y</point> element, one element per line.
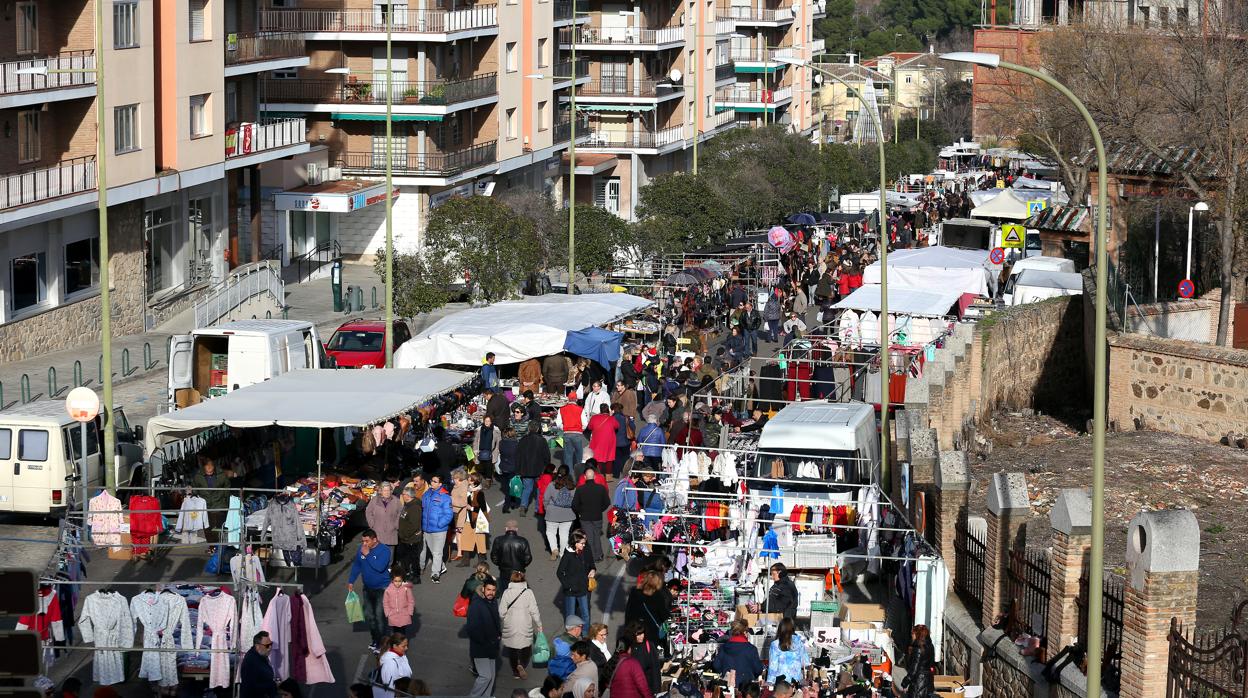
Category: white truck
<point>1036,278</point>
<point>841,430</point>
<point>213,361</point>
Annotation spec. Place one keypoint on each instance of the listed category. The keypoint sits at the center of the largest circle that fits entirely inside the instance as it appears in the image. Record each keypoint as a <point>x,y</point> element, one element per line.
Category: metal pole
<point>1096,572</point>
<point>1191,213</point>
<point>697,88</point>
<point>83,475</point>
<point>389,190</point>
<point>106,302</point>
<point>572,166</point>
<point>1156,248</point>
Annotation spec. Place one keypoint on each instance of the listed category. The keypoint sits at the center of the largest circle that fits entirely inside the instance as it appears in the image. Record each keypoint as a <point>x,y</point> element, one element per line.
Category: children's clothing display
<point>145,522</point>
<point>192,519</point>
<point>47,620</point>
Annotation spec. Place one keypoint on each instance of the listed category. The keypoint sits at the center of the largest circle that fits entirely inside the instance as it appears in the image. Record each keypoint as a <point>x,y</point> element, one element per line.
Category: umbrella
<point>685,277</point>
<point>802,219</point>
<point>780,238</point>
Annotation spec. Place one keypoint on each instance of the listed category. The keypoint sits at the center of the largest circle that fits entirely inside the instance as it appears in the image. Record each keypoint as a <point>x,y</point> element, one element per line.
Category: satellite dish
<point>675,75</point>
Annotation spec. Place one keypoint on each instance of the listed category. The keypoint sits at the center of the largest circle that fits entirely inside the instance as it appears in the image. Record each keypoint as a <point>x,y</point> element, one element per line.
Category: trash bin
<point>335,283</point>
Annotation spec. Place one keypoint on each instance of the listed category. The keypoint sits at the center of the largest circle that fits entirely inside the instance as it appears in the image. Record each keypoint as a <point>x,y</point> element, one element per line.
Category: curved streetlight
<point>884,333</point>
<point>1099,373</point>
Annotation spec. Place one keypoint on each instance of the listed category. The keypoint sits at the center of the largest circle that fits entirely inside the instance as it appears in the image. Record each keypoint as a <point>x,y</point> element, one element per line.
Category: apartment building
<point>166,153</point>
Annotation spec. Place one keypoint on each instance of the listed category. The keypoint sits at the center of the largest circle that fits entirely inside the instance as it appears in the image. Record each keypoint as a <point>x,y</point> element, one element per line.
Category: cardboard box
<point>755,618</point>
<point>863,612</point>
<point>122,553</point>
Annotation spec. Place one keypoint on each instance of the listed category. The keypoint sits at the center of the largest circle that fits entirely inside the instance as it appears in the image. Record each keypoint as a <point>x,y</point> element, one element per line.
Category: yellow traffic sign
<point>1012,235</point>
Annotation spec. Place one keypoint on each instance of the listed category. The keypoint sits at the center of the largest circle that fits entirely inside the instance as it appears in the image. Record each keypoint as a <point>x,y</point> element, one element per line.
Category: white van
<point>213,361</point>
<point>1036,263</point>
<point>1036,285</point>
<point>827,429</point>
<point>41,455</point>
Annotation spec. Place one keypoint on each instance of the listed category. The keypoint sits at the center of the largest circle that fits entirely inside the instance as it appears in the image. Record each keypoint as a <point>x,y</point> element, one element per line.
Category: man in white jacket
<point>599,396</point>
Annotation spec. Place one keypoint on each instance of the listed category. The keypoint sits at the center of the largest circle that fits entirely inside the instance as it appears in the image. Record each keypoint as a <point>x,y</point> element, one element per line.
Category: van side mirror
<point>137,431</point>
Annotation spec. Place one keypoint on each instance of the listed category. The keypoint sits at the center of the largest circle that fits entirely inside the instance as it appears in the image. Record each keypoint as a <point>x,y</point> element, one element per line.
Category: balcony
<point>608,88</point>
<point>723,119</point>
<point>564,11</point>
<point>434,164</point>
<point>757,16</point>
<point>562,73</point>
<point>408,97</point>
<point>365,24</point>
<point>563,130</point>
<point>725,25</point>
<point>252,143</point>
<point>633,139</point>
<point>21,90</point>
<point>41,184</point>
<point>263,51</point>
<point>725,71</point>
<point>642,38</point>
<point>753,98</point>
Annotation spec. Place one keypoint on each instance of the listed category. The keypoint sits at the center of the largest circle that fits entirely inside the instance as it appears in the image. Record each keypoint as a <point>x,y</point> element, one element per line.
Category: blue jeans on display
<point>576,606</point>
<point>530,489</point>
<point>573,449</point>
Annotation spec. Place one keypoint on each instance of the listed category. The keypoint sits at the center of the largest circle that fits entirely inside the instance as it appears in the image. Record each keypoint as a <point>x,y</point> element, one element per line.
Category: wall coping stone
<point>1181,349</point>
<point>1008,492</point>
<point>1162,541</point>
<point>953,473</point>
<point>1072,512</point>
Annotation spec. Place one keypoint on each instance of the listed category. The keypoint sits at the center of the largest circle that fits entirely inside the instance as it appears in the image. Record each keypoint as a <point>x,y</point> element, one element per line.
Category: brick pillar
<point>1008,509</point>
<point>953,483</point>
<point>1163,558</point>
<point>1071,519</point>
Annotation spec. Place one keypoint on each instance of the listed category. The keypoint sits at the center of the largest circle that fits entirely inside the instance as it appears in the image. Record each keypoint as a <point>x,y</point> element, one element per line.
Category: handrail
<point>625,87</point>
<point>39,184</point>
<point>373,91</point>
<point>251,137</point>
<point>634,138</point>
<point>308,262</point>
<point>430,163</point>
<point>242,284</point>
<point>260,46</point>
<point>79,67</point>
<point>374,20</point>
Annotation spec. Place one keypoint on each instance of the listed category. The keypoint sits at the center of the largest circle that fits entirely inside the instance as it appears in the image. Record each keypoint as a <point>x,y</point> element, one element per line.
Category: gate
<point>1212,664</point>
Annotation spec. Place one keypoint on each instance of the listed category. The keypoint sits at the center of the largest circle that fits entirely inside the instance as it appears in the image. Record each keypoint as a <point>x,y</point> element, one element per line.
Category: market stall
<point>966,271</point>
<point>916,316</point>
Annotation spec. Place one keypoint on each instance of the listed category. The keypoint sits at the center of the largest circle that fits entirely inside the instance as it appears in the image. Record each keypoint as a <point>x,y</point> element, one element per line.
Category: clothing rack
<point>758,551</point>
<point>112,583</point>
<point>753,452</point>
<point>849,527</point>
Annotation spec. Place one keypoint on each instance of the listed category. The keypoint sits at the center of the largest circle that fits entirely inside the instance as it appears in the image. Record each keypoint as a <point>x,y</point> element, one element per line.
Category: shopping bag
<point>355,612</point>
<point>215,561</point>
<point>516,487</point>
<point>460,609</point>
<point>468,453</point>
<point>541,649</point>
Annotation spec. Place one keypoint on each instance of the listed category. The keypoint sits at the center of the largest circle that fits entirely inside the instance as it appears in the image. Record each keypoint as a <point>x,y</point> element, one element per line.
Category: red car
<point>362,343</point>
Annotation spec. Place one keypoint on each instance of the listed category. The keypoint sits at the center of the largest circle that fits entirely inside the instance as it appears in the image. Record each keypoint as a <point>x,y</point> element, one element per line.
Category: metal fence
<point>374,20</point>
<point>40,184</point>
<point>356,91</point>
<point>243,284</point>
<point>79,67</point>
<point>262,46</point>
<point>634,138</point>
<point>1209,664</point>
<point>1029,585</point>
<point>436,164</point>
<point>1113,591</point>
<point>257,137</point>
<point>970,551</point>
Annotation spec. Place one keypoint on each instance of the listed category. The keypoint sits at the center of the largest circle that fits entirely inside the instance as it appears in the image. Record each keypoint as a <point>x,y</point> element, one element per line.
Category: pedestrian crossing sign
<point>1012,235</point>
<point>1036,206</point>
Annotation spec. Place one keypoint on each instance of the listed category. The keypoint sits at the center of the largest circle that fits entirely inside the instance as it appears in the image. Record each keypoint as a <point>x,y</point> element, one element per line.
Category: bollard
<point>52,391</point>
<point>77,374</point>
<point>359,297</point>
<point>2,405</point>
<point>25,388</point>
<point>374,298</point>
<point>268,315</point>
<point>126,368</point>
<point>285,313</point>
<point>148,364</point>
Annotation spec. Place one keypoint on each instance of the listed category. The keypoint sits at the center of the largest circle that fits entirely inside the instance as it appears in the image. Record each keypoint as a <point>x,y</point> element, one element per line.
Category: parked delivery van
<point>843,430</point>
<point>213,361</point>
<point>41,455</point>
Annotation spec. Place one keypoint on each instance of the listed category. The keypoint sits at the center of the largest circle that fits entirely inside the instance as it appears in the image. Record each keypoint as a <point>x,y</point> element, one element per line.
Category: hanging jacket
<point>282,521</point>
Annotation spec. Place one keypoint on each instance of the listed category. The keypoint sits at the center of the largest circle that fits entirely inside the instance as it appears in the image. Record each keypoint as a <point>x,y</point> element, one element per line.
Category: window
<point>513,58</point>
<point>73,440</point>
<point>457,131</point>
<point>199,20</point>
<point>543,53</point>
<point>82,265</point>
<point>27,27</point>
<point>200,123</point>
<point>27,136</point>
<point>199,230</point>
<point>32,444</point>
<point>284,74</point>
<point>126,128</point>
<point>512,124</point>
<point>231,102</point>
<point>909,79</point>
<point>28,280</point>
<point>543,115</point>
<point>6,444</point>
<point>125,23</point>
<point>607,193</point>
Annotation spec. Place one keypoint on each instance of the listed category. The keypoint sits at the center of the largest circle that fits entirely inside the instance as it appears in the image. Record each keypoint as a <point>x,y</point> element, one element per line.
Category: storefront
<point>316,216</point>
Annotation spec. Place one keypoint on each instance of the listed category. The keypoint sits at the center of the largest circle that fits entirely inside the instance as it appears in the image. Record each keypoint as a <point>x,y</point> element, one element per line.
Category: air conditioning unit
<point>314,173</point>
<point>332,174</point>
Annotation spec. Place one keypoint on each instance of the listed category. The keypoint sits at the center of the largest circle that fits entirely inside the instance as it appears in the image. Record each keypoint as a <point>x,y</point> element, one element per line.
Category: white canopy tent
<point>310,398</point>
<point>936,267</point>
<point>915,316</point>
<point>1009,204</point>
<point>902,301</point>
<point>513,330</point>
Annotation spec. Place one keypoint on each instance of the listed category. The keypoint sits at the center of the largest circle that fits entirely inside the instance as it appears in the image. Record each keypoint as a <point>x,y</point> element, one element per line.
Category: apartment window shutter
<point>198,26</point>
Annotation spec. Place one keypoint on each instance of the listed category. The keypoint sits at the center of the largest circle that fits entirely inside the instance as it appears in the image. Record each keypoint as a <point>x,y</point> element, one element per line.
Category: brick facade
<point>1005,530</point>
<point>1070,554</point>
<point>1145,625</point>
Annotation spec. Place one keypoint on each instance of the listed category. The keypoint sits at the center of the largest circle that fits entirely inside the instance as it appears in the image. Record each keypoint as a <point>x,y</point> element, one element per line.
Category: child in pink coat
<point>398,604</point>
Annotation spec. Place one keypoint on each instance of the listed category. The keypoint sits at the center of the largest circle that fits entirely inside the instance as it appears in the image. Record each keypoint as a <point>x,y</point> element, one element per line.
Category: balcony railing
<point>562,71</point>
<point>434,164</point>
<point>596,34</point>
<point>725,25</point>
<point>634,138</point>
<point>757,14</point>
<point>725,71</point>
<point>753,94</point>
<point>250,138</point>
<point>365,20</point>
<point>625,87</point>
<point>40,184</point>
<point>563,130</point>
<point>262,46</point>
<point>723,118</point>
<point>81,63</point>
<point>350,91</point>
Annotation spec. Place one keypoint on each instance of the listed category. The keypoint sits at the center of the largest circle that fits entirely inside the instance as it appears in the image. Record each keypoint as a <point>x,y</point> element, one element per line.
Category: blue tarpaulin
<point>595,343</point>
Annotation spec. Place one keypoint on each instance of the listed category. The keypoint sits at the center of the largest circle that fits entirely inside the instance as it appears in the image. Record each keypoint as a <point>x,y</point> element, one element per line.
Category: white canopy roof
<point>936,267</point>
<point>1008,204</point>
<point>1064,280</point>
<point>513,330</point>
<point>902,300</point>
<point>310,398</point>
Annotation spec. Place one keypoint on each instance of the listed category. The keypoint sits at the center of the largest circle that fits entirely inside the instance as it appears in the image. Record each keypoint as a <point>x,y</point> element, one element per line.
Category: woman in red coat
<point>602,428</point>
<point>629,679</point>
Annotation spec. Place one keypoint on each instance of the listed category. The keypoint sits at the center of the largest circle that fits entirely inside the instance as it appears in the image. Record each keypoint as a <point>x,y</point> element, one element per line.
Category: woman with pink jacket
<point>398,604</point>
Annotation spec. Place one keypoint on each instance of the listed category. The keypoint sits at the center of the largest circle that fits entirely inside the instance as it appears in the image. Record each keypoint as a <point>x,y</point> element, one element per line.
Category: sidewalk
<point>308,301</point>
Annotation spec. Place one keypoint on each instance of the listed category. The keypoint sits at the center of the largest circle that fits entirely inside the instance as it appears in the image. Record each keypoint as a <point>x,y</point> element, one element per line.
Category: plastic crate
<point>219,362</point>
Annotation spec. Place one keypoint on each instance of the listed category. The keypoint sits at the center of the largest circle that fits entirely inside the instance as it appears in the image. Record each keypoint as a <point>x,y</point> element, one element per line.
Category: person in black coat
<point>920,663</point>
<point>485,634</point>
<point>576,567</point>
<point>645,651</point>
<point>649,605</point>
<point>738,654</point>
<point>782,598</point>
<point>256,674</point>
<point>532,457</point>
<point>497,409</point>
<point>590,503</point>
<point>511,553</point>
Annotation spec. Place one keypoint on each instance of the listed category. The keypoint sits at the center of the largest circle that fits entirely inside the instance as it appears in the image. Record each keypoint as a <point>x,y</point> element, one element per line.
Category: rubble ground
<point>1144,471</point>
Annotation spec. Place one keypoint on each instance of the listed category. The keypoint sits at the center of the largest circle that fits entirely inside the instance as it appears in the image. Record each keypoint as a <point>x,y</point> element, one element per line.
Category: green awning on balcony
<point>774,67</point>
<point>756,110</point>
<point>615,107</point>
<point>338,116</point>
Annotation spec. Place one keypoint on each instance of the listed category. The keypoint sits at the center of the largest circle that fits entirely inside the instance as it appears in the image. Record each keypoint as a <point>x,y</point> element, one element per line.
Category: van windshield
<point>357,341</point>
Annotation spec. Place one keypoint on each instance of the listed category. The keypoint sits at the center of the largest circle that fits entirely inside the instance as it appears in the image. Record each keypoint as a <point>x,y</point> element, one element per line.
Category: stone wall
<point>1003,677</point>
<point>1187,388</point>
<point>78,323</point>
<point>1032,356</point>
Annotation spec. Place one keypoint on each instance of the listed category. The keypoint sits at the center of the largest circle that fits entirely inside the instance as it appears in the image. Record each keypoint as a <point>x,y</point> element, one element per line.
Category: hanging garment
<point>161,616</point>
<point>277,625</point>
<point>246,568</point>
<point>250,621</point>
<point>217,612</point>
<point>47,621</point>
<point>145,522</point>
<point>298,639</point>
<point>106,622</point>
<point>193,516</point>
<point>282,521</point>
<point>104,517</point>
<point>317,661</point>
<point>234,522</point>
<point>931,585</point>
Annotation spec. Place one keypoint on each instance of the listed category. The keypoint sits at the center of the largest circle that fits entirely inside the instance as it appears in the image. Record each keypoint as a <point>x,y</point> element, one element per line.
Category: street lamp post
<point>883,211</point>
<point>1191,212</point>
<point>1099,372</point>
<point>389,188</point>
